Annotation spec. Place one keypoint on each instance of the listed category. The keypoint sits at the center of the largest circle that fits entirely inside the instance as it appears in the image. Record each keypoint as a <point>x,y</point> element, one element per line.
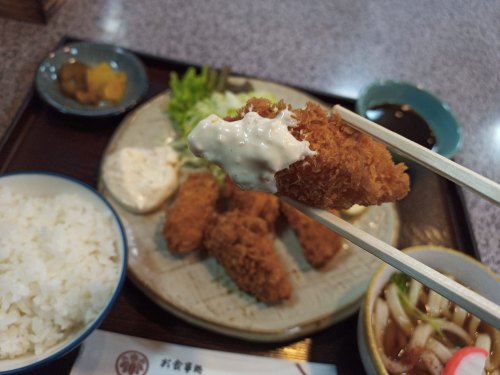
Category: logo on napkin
<point>132,362</point>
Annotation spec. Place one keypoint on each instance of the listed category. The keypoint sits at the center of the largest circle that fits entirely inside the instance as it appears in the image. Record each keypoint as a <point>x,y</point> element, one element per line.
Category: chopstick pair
<point>462,296</point>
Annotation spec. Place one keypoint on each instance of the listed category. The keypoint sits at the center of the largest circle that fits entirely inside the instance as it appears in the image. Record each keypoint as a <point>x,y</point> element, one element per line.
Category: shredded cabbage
<point>193,98</point>
<point>185,93</point>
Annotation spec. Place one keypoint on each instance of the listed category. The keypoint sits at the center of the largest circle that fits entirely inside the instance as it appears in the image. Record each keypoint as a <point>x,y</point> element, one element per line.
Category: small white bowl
<point>48,184</point>
<point>466,270</point>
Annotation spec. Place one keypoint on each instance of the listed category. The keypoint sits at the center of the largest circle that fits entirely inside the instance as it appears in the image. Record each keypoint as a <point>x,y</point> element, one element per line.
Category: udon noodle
<point>417,330</point>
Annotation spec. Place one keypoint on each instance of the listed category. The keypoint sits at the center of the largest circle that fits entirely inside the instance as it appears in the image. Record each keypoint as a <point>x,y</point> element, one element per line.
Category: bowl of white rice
<point>63,257</point>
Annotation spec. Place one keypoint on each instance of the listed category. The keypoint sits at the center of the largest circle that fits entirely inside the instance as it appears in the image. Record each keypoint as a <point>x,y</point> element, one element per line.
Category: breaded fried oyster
<point>242,245</point>
<point>319,243</point>
<point>306,154</point>
<point>254,203</point>
<point>192,210</point>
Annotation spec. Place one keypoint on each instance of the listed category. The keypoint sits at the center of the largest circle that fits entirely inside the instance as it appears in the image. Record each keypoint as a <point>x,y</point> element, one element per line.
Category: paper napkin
<point>106,353</point>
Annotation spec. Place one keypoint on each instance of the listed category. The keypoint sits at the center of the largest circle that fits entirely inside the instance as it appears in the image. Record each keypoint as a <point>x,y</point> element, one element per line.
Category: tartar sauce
<point>250,150</point>
<point>141,179</point>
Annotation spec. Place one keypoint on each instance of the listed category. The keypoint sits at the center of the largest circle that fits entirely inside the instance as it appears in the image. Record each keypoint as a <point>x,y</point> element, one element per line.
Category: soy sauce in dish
<point>403,120</point>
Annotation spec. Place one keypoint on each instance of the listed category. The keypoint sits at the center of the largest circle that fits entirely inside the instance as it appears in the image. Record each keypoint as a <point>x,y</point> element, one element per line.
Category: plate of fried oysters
<point>321,278</point>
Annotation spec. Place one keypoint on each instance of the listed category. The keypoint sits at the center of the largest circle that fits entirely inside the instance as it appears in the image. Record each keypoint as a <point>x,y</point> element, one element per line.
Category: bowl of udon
<point>406,328</point>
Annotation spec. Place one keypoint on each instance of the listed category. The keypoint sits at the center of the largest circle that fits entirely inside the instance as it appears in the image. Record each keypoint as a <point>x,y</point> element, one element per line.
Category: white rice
<point>58,269</point>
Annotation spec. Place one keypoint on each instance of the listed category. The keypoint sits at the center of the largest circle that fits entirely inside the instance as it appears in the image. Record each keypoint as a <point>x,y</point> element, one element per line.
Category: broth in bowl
<point>417,331</point>
<point>406,328</point>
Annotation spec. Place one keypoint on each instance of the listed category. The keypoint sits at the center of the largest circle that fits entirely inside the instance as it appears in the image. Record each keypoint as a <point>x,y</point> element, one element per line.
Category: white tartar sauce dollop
<point>141,179</point>
<point>250,150</point>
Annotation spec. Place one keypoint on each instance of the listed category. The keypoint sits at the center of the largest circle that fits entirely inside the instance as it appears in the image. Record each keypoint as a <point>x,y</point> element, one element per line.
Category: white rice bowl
<point>62,264</point>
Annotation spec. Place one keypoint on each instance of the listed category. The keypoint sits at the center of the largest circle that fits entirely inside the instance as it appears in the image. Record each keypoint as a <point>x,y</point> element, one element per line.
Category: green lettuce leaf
<point>185,93</point>
<point>193,98</point>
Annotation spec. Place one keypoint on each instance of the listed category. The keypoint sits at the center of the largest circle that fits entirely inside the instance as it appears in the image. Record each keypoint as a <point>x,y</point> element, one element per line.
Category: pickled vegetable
<point>92,85</point>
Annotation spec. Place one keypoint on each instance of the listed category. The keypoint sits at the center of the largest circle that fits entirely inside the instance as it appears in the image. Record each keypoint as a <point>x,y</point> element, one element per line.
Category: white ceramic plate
<point>198,290</point>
